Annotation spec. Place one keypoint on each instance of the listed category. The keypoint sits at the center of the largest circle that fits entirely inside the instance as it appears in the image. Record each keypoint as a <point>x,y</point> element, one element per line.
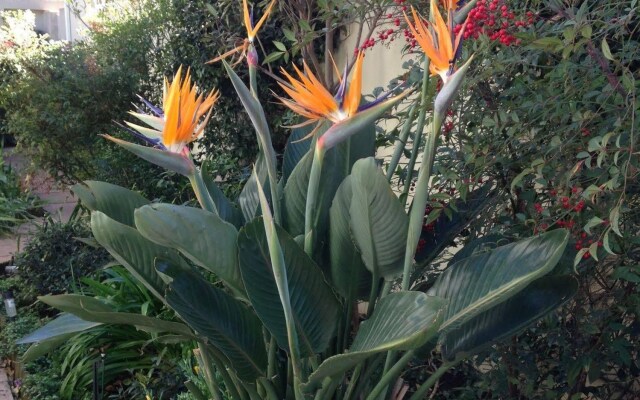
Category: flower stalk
<point>280,276</point>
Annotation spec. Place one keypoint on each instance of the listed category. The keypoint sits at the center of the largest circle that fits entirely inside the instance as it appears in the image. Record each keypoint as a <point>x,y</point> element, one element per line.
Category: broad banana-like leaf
<point>249,200</point>
<point>226,323</point>
<point>508,318</point>
<point>136,253</point>
<point>348,272</point>
<point>401,321</point>
<point>315,308</point>
<point>201,236</point>
<point>226,209</point>
<point>482,281</point>
<point>337,164</point>
<point>481,244</point>
<point>297,146</point>
<point>295,192</point>
<point>39,349</point>
<point>93,310</point>
<point>115,201</point>
<point>163,158</point>
<point>378,220</point>
<point>64,324</point>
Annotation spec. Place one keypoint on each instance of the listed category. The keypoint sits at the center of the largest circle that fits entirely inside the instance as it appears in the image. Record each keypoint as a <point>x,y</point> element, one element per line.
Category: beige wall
<point>52,17</point>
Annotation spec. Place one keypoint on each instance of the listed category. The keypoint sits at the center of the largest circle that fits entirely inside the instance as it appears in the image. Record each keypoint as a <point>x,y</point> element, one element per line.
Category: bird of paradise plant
<point>440,46</point>
<point>311,100</point>
<point>247,49</point>
<point>279,322</point>
<point>181,120</point>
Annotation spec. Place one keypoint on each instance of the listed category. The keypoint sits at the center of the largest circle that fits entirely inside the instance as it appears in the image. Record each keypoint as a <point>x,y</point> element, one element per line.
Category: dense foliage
<point>542,137</point>
<point>56,258</point>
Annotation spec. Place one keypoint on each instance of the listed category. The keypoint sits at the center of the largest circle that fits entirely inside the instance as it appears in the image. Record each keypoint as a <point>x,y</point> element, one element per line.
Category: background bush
<point>55,260</point>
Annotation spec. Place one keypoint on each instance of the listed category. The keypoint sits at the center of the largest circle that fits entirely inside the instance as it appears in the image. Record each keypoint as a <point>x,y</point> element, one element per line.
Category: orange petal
<point>354,93</point>
<point>247,18</point>
<point>264,18</point>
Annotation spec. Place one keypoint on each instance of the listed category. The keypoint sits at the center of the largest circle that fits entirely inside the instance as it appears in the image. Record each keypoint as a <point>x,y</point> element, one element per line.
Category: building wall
<point>52,17</point>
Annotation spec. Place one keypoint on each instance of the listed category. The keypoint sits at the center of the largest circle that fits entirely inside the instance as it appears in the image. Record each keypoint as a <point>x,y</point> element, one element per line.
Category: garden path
<point>5,391</point>
<point>57,202</point>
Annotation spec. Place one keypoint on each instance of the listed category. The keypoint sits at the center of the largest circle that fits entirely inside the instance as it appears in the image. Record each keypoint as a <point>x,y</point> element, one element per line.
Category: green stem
<point>326,384</point>
<point>420,199</point>
<point>422,390</point>
<point>253,393</point>
<point>375,288</point>
<point>353,381</point>
<point>392,374</point>
<point>347,327</point>
<point>401,143</point>
<point>280,275</point>
<point>202,193</point>
<point>273,186</point>
<point>197,393</point>
<point>229,384</point>
<point>253,81</point>
<point>269,388</point>
<point>372,367</point>
<point>271,368</point>
<point>417,137</point>
<point>386,288</point>
<point>312,198</point>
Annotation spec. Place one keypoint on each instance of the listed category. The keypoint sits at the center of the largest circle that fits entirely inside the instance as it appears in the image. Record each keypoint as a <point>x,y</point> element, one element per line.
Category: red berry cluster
<point>387,34</point>
<point>448,125</point>
<point>494,19</point>
<point>572,206</point>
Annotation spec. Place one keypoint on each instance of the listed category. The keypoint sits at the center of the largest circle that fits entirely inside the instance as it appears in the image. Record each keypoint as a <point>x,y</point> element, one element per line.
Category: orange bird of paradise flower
<point>313,101</point>
<point>252,32</point>
<point>436,39</point>
<point>182,119</point>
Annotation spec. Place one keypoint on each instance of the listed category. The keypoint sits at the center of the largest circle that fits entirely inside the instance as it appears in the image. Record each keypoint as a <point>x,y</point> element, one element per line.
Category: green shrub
<point>55,260</point>
<point>12,330</point>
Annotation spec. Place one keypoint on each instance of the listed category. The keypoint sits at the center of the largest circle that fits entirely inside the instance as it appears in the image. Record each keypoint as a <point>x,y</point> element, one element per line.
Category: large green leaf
<point>315,308</point>
<point>136,253</point>
<point>113,200</point>
<point>224,321</point>
<point>347,269</point>
<point>201,236</point>
<point>249,200</point>
<point>39,349</point>
<point>295,192</point>
<point>507,318</point>
<point>64,324</point>
<point>401,321</point>
<point>93,310</point>
<point>297,146</point>
<point>378,221</point>
<point>337,164</point>
<point>226,209</point>
<point>480,282</point>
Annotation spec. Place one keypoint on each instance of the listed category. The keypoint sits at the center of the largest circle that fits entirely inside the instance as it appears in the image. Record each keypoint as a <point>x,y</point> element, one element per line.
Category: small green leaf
<point>594,221</point>
<point>280,46</point>
<point>606,50</point>
<point>614,220</point>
